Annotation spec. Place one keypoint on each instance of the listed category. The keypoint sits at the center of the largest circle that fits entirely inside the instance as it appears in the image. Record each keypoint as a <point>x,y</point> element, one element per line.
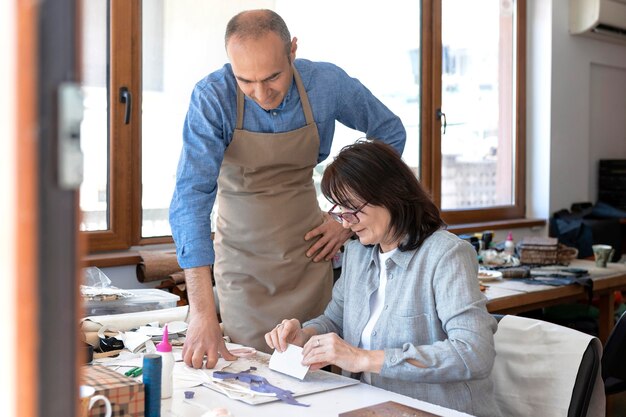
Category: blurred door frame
<point>47,308</point>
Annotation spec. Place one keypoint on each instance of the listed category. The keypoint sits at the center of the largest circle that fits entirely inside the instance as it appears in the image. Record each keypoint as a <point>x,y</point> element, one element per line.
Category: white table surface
<point>323,404</point>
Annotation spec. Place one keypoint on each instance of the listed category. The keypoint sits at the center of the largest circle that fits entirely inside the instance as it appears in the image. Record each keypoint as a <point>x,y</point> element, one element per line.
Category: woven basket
<point>538,255</point>
<point>566,254</point>
<point>538,251</point>
<point>545,251</point>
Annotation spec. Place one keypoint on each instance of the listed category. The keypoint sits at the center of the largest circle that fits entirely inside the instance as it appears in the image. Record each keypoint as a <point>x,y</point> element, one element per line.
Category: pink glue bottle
<point>509,245</point>
<point>167,371</point>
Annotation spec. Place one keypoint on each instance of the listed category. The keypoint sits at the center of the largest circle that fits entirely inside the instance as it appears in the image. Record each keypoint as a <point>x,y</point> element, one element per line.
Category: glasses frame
<point>349,216</point>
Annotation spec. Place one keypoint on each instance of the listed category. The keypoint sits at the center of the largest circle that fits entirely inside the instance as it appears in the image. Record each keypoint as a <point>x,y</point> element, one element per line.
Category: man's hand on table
<point>204,337</point>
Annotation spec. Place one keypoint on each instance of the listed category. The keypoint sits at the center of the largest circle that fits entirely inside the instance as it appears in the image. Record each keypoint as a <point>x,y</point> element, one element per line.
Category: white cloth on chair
<point>536,367</point>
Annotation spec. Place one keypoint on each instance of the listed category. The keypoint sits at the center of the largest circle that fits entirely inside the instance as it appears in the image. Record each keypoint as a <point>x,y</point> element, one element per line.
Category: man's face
<point>262,69</point>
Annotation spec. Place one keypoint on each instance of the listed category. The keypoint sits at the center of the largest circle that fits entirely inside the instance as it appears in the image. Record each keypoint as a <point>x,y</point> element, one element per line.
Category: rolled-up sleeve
<point>194,196</point>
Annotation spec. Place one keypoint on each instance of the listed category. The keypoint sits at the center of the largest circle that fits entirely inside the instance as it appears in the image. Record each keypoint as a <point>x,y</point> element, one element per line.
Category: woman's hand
<point>285,333</point>
<point>330,349</point>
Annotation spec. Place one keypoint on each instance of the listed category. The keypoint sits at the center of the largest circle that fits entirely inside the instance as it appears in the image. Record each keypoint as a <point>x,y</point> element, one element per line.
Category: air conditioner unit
<point>600,19</point>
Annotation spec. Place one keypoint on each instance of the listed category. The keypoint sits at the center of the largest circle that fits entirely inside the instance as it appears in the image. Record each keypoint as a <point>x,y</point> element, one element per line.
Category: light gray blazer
<point>434,313</point>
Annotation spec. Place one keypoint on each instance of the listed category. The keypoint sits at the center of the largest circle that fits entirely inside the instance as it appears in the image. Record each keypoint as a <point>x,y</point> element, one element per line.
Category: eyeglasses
<point>349,216</point>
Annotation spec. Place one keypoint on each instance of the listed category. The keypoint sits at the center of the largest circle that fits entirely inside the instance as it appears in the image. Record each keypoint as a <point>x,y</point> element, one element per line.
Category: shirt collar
<point>400,258</point>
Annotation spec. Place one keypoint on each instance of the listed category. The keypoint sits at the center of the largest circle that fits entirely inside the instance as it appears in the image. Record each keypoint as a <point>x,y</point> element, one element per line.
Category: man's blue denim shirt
<point>209,126</point>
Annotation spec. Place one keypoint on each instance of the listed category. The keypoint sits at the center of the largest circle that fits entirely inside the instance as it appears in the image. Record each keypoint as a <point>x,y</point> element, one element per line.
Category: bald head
<point>254,24</point>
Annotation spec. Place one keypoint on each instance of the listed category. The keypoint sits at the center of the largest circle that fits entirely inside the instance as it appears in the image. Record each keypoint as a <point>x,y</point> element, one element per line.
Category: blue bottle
<point>152,365</point>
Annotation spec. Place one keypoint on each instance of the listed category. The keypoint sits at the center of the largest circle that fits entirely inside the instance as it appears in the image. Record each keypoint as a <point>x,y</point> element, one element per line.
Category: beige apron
<point>267,203</point>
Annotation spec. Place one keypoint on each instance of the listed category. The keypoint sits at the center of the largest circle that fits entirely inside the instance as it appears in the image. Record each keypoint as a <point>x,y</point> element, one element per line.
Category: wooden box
<point>126,394</point>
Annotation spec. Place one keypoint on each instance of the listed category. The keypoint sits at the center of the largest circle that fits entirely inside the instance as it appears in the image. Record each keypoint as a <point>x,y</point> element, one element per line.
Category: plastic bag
<point>94,277</point>
<point>97,286</point>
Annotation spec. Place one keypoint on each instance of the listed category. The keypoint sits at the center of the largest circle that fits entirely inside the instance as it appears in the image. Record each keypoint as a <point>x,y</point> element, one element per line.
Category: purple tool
<point>259,384</point>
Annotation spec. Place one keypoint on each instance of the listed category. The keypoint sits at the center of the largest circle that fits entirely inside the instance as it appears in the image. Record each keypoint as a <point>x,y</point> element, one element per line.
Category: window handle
<point>126,97</point>
<point>441,115</point>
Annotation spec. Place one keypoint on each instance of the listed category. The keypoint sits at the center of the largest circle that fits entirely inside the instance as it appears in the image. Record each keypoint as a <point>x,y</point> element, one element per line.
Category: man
<point>254,131</point>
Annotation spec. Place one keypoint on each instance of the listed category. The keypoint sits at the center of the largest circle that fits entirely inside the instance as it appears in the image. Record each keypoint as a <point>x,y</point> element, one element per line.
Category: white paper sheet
<point>134,341</point>
<point>186,377</point>
<point>289,362</point>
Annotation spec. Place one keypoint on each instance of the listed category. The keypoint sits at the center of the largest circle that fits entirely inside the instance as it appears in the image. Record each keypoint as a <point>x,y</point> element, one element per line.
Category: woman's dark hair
<point>373,172</point>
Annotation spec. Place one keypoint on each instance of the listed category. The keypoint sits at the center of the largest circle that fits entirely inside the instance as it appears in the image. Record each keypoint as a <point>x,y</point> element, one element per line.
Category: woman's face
<point>373,226</point>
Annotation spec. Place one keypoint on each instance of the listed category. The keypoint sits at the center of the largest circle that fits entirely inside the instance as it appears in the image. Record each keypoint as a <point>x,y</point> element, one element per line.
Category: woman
<point>407,312</point>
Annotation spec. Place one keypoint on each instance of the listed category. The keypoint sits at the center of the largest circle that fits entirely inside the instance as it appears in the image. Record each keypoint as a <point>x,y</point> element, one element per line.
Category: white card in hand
<point>289,362</point>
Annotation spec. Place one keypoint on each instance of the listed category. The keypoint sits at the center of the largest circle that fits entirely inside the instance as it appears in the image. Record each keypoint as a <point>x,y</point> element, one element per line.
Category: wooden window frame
<point>124,190</point>
<point>431,126</point>
<point>124,140</point>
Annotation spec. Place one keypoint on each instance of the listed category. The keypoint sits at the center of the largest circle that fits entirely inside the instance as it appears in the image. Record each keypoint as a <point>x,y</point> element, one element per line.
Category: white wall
<point>126,277</point>
<point>607,130</point>
<point>582,67</point>
<point>7,189</point>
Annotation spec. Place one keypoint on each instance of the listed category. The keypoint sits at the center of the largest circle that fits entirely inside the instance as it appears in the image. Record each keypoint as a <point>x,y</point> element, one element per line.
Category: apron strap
<point>240,101</point>
<point>304,98</point>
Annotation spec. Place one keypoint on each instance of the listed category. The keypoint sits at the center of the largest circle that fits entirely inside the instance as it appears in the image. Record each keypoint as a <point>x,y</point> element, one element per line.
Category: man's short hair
<point>252,24</point>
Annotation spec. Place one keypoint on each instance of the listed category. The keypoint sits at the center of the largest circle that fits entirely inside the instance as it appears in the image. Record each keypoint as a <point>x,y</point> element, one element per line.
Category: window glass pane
<point>380,46</point>
<point>93,132</point>
<point>163,110</point>
<point>183,41</point>
<point>478,63</point>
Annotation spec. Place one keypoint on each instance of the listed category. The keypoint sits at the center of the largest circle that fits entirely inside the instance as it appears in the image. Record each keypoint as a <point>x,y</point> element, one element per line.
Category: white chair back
<point>536,367</point>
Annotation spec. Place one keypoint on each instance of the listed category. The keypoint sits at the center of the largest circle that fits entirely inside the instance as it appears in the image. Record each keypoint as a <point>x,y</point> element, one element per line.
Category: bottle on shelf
<point>165,350</point>
<point>509,245</point>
